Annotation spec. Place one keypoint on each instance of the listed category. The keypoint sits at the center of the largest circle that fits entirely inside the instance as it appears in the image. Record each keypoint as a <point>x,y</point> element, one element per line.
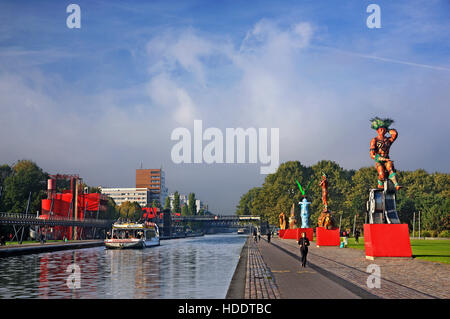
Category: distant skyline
<point>99,100</point>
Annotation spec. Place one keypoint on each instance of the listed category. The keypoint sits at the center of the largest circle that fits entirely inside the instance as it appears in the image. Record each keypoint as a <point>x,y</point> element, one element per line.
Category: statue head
<point>381,125</point>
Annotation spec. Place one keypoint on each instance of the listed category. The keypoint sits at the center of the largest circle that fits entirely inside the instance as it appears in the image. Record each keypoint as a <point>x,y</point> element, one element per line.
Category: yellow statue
<point>282,217</point>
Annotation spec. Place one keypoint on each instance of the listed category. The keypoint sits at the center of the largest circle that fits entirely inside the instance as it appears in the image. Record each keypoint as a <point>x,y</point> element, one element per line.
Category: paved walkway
<point>401,278</point>
<point>296,282</point>
<point>259,283</point>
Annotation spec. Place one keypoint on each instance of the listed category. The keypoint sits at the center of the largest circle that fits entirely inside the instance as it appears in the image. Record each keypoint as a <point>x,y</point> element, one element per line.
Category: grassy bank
<point>430,250</point>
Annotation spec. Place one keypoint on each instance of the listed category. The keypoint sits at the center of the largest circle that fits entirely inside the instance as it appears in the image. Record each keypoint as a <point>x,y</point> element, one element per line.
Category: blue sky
<point>100,100</point>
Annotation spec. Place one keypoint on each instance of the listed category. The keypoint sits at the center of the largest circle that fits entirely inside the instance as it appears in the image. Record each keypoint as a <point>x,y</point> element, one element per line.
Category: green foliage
<point>5,171</point>
<point>444,234</point>
<point>155,203</point>
<point>130,210</point>
<point>167,203</point>
<point>184,210</point>
<point>112,211</point>
<point>176,203</point>
<point>192,208</point>
<point>25,177</point>
<point>348,193</point>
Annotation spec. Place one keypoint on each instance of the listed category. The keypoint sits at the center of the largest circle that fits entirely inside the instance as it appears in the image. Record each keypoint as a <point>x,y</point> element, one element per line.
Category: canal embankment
<point>236,289</point>
<point>35,248</point>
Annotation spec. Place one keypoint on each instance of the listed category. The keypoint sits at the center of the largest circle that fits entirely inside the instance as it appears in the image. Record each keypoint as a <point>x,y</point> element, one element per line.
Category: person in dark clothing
<point>255,235</point>
<point>357,233</point>
<point>269,234</point>
<point>303,243</point>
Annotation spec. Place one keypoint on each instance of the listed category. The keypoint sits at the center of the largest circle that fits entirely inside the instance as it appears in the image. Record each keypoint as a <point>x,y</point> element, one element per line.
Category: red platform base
<point>281,233</point>
<point>387,240</point>
<point>327,237</point>
<point>297,233</point>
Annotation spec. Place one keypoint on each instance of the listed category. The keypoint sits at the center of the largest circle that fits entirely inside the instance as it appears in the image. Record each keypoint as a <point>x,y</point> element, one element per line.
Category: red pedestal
<point>281,233</point>
<point>327,237</point>
<point>387,240</point>
<point>297,233</point>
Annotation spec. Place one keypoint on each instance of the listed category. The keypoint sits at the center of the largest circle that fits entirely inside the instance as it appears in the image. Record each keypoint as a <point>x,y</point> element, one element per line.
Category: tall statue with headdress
<point>379,150</point>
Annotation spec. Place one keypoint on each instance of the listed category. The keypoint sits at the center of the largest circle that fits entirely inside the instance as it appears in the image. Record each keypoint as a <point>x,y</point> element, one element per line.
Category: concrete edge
<point>236,289</point>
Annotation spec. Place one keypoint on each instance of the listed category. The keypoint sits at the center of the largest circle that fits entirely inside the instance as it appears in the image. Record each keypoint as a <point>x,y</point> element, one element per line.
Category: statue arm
<point>394,134</point>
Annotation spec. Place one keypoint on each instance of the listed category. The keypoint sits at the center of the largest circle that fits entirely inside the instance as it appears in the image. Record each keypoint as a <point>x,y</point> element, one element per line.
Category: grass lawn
<point>430,250</point>
<point>30,242</point>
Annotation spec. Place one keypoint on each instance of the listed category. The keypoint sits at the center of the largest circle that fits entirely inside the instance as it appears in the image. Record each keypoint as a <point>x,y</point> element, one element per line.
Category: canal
<point>199,267</point>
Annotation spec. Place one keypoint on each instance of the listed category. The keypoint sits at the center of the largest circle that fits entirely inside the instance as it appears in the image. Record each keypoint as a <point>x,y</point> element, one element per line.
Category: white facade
<point>140,195</point>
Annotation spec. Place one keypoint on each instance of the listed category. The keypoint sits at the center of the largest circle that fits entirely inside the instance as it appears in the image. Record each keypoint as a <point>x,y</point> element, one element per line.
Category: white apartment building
<point>142,196</point>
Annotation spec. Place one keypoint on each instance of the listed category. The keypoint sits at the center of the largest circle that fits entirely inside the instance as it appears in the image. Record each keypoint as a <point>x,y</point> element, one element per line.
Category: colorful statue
<point>379,150</point>
<point>324,184</point>
<point>292,219</point>
<point>304,212</point>
<point>326,220</point>
<point>282,218</point>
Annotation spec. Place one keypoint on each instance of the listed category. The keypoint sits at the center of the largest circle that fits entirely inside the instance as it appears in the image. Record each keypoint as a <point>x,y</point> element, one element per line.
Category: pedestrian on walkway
<point>259,235</point>
<point>304,243</point>
<point>357,233</point>
<point>255,235</point>
<point>269,234</point>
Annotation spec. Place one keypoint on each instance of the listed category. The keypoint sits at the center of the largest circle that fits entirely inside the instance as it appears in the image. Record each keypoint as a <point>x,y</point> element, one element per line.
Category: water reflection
<point>199,267</point>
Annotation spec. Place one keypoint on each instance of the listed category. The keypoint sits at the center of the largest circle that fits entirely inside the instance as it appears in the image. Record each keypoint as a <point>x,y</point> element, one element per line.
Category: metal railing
<point>53,220</point>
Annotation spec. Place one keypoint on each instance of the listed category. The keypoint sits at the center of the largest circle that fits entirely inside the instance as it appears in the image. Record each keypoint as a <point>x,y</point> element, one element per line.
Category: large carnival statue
<point>381,206</point>
<point>389,238</point>
<point>304,206</point>
<point>325,219</point>
<point>304,213</point>
<point>379,150</point>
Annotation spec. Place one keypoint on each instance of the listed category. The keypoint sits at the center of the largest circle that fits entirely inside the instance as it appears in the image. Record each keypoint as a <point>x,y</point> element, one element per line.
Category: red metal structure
<point>63,205</point>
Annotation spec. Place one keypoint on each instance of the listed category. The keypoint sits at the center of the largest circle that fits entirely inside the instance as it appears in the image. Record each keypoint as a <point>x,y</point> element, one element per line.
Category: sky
<point>103,99</point>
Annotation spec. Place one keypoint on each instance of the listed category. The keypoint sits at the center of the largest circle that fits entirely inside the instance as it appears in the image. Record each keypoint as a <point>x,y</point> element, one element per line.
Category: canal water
<point>199,267</point>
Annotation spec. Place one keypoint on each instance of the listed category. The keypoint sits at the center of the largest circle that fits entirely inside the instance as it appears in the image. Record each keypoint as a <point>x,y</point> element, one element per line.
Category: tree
<point>24,178</point>
<point>184,211</point>
<point>130,210</point>
<point>167,203</point>
<point>5,171</point>
<point>245,203</point>
<point>156,204</point>
<point>176,203</point>
<point>112,211</point>
<point>192,208</point>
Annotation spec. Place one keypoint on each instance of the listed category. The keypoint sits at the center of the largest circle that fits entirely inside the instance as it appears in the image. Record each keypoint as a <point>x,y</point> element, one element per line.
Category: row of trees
<point>348,193</point>
<point>185,210</point>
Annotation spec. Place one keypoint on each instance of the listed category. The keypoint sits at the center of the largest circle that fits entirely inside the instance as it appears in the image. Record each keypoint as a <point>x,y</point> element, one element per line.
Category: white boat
<point>241,231</point>
<point>133,235</point>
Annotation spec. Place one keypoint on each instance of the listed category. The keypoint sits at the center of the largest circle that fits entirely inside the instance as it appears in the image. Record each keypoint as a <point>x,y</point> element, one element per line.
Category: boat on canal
<point>133,236</point>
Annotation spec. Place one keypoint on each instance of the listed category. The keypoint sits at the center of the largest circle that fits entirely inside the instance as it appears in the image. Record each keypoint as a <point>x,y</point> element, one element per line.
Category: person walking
<point>269,234</point>
<point>255,235</point>
<point>303,243</point>
<point>357,233</point>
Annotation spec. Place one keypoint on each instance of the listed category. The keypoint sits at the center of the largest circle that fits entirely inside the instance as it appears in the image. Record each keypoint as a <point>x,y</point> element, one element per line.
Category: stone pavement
<point>259,282</point>
<point>401,278</point>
